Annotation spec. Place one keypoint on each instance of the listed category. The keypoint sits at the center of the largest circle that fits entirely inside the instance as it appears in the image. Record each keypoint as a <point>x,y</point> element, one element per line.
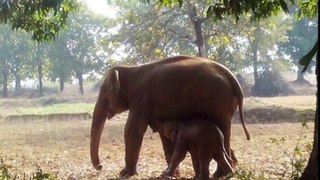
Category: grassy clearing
<point>62,148</point>
<point>295,102</point>
<point>61,105</point>
<point>57,108</point>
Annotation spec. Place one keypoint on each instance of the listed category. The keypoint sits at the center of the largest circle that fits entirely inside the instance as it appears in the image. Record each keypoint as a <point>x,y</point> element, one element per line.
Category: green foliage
<point>244,174</point>
<point>40,175</point>
<point>76,50</point>
<point>15,56</point>
<point>278,141</point>
<point>222,8</point>
<point>44,19</point>
<point>298,160</point>
<point>301,38</point>
<point>5,173</point>
<point>151,32</point>
<point>4,169</point>
<point>307,9</point>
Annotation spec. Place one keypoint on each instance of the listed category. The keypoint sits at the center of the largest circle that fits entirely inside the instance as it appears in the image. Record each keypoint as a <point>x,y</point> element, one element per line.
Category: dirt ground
<point>62,148</point>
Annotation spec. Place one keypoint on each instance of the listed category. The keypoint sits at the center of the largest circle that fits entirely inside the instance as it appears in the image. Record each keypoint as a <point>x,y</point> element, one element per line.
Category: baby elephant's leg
<point>221,156</point>
<point>204,157</point>
<point>224,167</point>
<point>195,164</point>
<point>178,156</point>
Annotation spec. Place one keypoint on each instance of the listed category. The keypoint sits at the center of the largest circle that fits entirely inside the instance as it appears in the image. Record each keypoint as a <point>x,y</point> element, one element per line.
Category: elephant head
<point>108,104</point>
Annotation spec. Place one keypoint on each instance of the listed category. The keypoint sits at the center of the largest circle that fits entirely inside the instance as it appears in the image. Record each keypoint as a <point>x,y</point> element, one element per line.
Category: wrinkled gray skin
<point>177,87</point>
<point>203,140</point>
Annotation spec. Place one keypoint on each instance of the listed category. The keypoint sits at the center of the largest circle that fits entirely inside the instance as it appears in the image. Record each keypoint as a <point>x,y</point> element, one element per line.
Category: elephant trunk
<point>98,121</point>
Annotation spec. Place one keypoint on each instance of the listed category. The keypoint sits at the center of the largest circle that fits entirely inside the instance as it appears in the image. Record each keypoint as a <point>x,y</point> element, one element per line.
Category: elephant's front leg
<point>168,148</point>
<point>133,136</point>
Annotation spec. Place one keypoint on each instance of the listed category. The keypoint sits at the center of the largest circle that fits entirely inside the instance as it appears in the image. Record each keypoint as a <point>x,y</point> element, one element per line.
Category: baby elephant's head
<point>170,129</point>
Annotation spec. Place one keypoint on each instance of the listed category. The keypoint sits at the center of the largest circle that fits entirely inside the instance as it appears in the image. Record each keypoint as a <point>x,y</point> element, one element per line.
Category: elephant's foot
<point>200,177</point>
<point>126,172</point>
<point>168,178</point>
<point>177,173</point>
<point>166,173</point>
<point>219,174</point>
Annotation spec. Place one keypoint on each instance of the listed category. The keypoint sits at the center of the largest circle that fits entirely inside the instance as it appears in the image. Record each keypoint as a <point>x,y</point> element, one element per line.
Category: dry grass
<point>62,148</point>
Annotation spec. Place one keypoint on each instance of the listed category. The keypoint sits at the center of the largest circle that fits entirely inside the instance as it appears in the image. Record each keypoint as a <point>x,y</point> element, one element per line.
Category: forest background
<point>262,54</point>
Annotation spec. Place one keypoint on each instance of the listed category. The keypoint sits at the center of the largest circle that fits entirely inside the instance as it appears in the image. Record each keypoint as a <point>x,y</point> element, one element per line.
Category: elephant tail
<point>238,93</point>
<point>240,104</point>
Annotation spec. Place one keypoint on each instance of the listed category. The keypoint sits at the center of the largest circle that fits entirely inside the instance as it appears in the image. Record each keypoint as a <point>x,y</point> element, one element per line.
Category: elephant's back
<point>191,87</point>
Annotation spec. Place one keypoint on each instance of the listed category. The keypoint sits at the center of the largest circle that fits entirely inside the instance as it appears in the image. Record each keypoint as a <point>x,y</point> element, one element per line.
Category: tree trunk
<point>80,79</point>
<point>40,76</point>
<point>5,91</point>
<point>197,23</point>
<point>300,77</point>
<point>17,88</point>
<point>39,66</point>
<point>254,51</point>
<point>61,81</point>
<point>312,168</point>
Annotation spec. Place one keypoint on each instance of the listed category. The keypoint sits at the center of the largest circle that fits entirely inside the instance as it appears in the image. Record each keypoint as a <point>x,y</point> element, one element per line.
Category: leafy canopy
<point>258,9</point>
<point>221,8</point>
<point>44,19</point>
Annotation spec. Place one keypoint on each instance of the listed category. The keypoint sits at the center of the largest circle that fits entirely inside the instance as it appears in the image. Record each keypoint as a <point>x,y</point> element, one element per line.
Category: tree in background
<point>84,34</point>
<point>60,67</point>
<point>152,32</point>
<point>20,58</point>
<point>14,57</point>
<point>300,40</point>
<point>267,33</point>
<point>40,62</point>
<point>4,58</point>
<point>75,53</point>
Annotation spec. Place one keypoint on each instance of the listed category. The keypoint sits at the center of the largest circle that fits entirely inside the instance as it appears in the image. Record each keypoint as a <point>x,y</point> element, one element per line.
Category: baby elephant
<point>203,140</point>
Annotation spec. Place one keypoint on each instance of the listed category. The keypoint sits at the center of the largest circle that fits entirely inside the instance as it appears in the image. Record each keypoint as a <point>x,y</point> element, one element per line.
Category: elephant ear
<point>117,81</point>
<point>114,82</point>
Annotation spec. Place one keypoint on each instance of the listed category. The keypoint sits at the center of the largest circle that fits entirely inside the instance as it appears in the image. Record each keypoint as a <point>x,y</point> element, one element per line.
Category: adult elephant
<point>180,87</point>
